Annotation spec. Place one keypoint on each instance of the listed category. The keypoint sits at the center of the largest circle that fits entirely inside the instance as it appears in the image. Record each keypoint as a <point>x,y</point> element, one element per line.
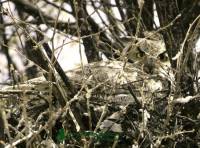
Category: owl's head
<point>148,52</point>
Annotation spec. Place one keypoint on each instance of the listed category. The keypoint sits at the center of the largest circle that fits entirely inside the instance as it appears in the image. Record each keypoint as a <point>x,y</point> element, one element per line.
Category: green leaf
<point>60,135</point>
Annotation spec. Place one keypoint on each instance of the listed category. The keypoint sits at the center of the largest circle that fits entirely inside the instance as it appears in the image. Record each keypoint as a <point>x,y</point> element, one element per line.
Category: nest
<point>113,104</point>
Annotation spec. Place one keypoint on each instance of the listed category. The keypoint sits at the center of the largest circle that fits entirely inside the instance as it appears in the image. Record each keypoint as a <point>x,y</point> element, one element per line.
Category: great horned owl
<point>148,72</point>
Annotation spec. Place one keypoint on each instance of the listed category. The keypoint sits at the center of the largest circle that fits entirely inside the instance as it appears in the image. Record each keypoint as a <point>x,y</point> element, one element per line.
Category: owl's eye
<point>140,53</point>
<point>163,57</point>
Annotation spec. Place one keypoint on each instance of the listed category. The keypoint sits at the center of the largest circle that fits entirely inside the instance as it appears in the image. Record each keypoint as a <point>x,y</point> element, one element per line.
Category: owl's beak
<point>149,65</point>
